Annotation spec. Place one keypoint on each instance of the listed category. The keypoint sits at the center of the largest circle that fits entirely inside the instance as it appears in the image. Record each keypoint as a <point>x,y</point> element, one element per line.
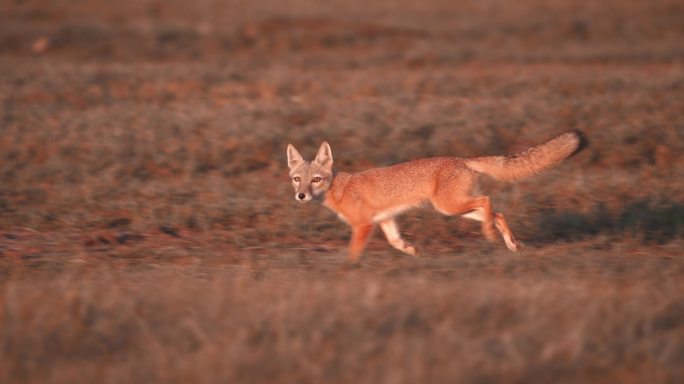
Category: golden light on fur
<point>378,195</point>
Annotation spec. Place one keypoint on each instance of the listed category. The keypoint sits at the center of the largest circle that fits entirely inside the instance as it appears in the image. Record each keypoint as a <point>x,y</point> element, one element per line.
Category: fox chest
<point>336,208</point>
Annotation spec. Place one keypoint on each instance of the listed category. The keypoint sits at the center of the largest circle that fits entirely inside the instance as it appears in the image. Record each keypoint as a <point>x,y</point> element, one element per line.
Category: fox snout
<point>302,197</point>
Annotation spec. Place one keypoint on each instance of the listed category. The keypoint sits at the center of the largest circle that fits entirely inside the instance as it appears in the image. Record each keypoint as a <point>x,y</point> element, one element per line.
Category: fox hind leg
<point>391,230</point>
<point>475,208</point>
<point>479,209</point>
<point>497,218</point>
<point>502,226</point>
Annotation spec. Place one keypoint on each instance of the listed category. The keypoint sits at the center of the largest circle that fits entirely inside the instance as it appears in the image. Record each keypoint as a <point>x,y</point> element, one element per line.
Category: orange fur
<point>377,195</point>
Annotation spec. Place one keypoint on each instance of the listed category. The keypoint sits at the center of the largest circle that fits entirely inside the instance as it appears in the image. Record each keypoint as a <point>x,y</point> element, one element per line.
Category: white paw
<point>411,250</point>
<point>511,244</point>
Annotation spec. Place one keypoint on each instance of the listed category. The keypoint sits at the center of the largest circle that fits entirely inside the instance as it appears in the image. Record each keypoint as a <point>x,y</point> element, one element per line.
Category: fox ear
<point>294,159</point>
<point>324,157</point>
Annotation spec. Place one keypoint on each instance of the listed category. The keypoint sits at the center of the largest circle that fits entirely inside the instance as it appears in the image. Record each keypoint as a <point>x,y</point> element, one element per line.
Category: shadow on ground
<point>645,220</point>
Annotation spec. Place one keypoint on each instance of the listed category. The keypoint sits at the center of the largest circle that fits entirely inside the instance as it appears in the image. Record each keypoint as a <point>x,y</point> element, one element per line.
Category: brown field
<point>148,231</point>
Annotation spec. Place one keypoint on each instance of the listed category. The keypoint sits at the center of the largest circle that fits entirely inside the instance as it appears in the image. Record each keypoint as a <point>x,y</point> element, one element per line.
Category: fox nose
<point>301,196</point>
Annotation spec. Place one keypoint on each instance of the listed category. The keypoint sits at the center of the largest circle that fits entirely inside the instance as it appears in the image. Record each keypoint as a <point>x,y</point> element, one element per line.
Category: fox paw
<point>513,245</point>
<point>411,250</point>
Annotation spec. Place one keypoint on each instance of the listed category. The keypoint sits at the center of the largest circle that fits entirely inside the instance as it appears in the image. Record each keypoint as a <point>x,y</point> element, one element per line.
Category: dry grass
<point>148,232</point>
<point>390,320</point>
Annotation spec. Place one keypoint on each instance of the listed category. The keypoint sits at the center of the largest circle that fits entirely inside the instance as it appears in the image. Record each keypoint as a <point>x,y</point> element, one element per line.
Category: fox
<point>378,195</point>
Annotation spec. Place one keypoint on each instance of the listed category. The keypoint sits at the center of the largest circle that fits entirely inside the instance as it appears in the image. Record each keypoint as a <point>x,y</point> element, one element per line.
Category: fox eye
<point>316,179</point>
<point>297,179</point>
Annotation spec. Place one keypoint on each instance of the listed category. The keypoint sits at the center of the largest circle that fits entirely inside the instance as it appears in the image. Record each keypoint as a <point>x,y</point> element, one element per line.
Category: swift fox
<point>377,195</point>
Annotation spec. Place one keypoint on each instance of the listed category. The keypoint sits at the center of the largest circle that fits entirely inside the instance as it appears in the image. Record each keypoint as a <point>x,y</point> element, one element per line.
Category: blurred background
<point>147,226</point>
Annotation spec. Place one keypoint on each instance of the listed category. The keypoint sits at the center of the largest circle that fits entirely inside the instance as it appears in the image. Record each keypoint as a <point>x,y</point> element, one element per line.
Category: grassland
<point>148,231</point>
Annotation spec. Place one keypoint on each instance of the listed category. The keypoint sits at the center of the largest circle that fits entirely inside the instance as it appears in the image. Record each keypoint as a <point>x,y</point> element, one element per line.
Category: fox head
<point>310,179</point>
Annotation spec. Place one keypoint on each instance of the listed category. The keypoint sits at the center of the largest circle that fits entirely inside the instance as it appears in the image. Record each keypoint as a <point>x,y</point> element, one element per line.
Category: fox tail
<point>533,160</point>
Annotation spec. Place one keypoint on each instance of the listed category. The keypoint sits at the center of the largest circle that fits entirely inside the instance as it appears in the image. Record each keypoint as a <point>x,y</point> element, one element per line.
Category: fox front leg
<point>359,239</point>
<point>391,230</point>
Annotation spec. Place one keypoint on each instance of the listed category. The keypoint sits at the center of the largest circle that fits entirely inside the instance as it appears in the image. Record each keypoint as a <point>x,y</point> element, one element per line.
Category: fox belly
<point>391,212</point>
